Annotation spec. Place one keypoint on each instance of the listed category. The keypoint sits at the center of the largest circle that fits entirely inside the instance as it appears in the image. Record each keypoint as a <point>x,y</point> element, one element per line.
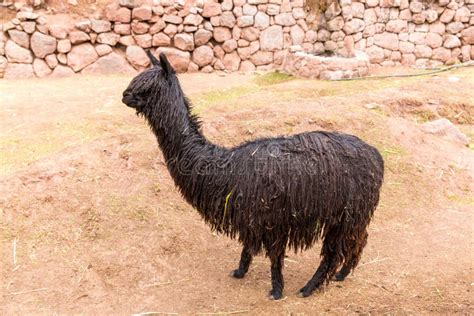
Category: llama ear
<point>153,59</point>
<point>165,65</point>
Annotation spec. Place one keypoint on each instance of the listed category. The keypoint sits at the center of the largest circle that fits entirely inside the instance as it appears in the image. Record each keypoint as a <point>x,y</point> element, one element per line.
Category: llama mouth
<point>128,101</point>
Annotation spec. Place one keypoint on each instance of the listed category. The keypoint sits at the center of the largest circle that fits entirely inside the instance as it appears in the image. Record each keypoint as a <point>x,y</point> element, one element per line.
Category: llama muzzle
<point>127,99</point>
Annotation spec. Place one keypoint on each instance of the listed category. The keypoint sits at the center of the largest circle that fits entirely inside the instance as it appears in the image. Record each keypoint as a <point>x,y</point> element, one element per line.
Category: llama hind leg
<point>331,260</point>
<point>245,260</point>
<point>277,276</point>
<point>352,256</point>
<point>343,273</point>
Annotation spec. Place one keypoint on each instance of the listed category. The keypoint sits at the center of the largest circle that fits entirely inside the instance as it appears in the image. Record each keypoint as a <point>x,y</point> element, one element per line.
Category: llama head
<point>155,82</point>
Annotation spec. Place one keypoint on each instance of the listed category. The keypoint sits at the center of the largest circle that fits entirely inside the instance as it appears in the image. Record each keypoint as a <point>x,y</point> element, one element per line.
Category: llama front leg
<point>245,260</point>
<point>277,276</point>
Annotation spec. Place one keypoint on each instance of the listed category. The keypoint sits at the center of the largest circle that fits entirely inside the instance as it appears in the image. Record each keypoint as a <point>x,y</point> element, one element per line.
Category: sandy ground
<point>91,222</point>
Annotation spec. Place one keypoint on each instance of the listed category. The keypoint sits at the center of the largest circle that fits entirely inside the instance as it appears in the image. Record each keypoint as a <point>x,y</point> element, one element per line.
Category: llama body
<point>270,193</point>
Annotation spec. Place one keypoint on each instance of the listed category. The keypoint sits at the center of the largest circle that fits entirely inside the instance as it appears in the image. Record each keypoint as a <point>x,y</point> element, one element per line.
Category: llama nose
<point>126,98</point>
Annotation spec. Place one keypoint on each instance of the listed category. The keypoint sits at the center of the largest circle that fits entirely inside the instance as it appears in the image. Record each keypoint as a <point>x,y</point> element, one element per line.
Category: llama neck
<point>189,157</point>
<point>178,133</point>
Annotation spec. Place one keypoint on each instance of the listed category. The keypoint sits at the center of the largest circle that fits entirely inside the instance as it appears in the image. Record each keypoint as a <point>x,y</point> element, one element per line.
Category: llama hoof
<point>304,292</point>
<point>237,274</point>
<point>339,277</point>
<point>275,295</point>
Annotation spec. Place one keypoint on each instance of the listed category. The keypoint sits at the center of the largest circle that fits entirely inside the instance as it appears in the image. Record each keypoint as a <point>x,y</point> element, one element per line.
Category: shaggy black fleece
<point>270,193</point>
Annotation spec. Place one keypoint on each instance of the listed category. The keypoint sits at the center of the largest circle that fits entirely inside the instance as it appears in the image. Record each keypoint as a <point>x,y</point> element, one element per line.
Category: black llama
<point>269,193</point>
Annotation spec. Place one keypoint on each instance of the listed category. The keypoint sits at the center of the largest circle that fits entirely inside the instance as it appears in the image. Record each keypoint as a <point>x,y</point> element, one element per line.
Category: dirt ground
<point>91,222</point>
<point>84,8</point>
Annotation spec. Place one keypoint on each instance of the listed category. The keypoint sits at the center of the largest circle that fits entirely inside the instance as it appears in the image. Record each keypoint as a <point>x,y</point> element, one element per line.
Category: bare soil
<point>91,222</point>
<point>84,8</point>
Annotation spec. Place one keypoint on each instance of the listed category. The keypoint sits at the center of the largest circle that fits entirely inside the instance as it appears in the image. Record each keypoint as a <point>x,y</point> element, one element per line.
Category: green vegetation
<point>19,150</point>
<point>225,208</point>
<point>222,96</point>
<point>132,207</point>
<point>463,200</point>
<point>230,95</point>
<point>392,151</point>
<point>272,78</point>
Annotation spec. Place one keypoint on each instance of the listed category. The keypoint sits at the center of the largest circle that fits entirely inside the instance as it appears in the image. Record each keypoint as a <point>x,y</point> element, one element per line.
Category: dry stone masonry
<point>240,35</point>
<point>308,65</point>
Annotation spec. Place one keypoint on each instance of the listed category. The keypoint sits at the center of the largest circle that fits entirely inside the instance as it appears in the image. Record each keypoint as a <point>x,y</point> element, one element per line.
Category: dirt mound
<point>428,110</point>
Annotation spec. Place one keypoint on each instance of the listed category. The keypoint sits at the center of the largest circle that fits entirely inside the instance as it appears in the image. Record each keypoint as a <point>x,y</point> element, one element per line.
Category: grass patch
<point>233,95</point>
<point>225,95</point>
<point>20,150</point>
<point>422,116</point>
<point>272,78</point>
<point>458,113</point>
<point>132,208</point>
<point>392,151</point>
<point>17,152</point>
<point>463,200</point>
<point>317,89</point>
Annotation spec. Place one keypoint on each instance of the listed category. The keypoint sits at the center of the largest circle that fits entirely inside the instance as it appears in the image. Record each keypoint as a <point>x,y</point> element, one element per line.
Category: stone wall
<point>234,35</point>
<point>393,32</point>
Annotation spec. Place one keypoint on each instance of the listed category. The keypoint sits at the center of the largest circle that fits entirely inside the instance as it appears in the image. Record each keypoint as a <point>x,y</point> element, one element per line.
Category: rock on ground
<point>443,127</point>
